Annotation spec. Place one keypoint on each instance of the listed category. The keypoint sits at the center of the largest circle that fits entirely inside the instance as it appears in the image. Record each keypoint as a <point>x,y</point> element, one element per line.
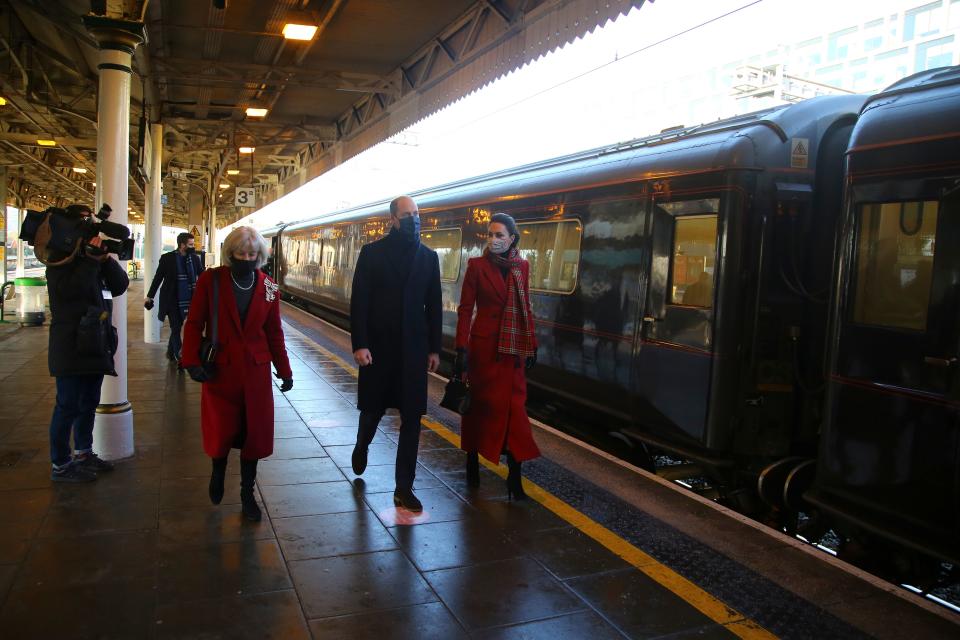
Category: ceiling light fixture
<point>233,172</point>
<point>79,169</point>
<point>224,185</point>
<point>3,101</point>
<point>247,149</point>
<point>256,112</point>
<point>296,31</point>
<point>46,142</point>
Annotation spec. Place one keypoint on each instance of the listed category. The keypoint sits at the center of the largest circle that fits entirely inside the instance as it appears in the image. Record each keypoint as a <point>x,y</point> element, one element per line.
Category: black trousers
<point>175,344</point>
<point>406,469</point>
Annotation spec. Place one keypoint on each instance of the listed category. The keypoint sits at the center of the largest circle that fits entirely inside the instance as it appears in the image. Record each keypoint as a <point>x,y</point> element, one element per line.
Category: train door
<point>894,407</point>
<point>674,353</point>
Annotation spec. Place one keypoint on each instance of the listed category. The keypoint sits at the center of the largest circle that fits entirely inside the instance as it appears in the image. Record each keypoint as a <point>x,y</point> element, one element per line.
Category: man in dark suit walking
<point>177,272</point>
<point>395,318</point>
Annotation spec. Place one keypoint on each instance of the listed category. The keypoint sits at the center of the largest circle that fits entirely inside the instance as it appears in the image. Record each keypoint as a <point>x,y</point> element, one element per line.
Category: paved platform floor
<point>142,554</point>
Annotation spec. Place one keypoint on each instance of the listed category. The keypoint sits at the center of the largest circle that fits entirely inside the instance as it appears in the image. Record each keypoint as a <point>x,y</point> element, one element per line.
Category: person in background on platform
<point>178,271</point>
<point>395,319</point>
<point>236,405</point>
<point>502,345</point>
<point>80,353</point>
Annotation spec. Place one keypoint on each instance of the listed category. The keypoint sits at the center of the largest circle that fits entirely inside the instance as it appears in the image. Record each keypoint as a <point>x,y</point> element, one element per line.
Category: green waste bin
<point>31,301</point>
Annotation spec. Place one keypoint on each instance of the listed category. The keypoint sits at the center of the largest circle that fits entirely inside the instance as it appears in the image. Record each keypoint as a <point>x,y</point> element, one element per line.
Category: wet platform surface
<point>142,553</point>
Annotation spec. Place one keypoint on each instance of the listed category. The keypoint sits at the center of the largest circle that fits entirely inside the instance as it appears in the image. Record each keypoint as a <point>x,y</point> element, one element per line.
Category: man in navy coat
<point>178,272</point>
<point>396,324</point>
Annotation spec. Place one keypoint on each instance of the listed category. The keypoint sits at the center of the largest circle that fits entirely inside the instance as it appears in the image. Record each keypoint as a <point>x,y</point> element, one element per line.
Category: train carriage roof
<point>757,140</point>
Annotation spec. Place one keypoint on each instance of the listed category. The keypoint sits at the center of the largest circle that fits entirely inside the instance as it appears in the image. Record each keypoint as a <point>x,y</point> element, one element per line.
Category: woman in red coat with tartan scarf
<point>236,404</point>
<point>496,347</point>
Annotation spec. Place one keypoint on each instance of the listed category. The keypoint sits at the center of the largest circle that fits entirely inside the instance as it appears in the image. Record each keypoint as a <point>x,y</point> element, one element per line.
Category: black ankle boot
<point>216,479</point>
<point>473,469</point>
<point>248,476</point>
<point>514,483</point>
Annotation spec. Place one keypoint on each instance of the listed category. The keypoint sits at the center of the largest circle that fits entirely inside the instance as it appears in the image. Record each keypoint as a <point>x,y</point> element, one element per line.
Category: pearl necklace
<point>247,288</point>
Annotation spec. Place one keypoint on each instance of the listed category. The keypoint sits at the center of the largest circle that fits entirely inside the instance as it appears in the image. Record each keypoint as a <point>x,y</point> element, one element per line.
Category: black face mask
<point>191,251</point>
<point>410,228</point>
<point>242,268</point>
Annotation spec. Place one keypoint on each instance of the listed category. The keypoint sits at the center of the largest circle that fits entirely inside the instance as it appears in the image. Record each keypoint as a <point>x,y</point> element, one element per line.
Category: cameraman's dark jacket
<point>73,288</point>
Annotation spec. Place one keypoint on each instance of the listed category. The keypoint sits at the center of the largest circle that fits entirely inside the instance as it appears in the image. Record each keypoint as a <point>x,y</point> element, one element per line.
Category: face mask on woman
<point>242,268</point>
<point>498,245</point>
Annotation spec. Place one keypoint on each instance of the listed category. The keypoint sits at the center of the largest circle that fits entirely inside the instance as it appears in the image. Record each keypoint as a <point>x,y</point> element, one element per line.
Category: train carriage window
<point>895,251</point>
<point>693,260</point>
<point>447,243</point>
<point>553,251</point>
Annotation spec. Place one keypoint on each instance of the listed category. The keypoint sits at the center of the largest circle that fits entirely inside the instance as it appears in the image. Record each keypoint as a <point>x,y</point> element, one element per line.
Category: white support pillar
<point>20,243</point>
<point>5,223</point>
<point>113,428</point>
<point>152,232</point>
<point>212,237</point>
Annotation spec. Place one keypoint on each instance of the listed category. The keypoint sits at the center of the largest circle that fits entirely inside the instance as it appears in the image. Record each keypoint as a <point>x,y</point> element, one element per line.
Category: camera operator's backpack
<point>45,226</point>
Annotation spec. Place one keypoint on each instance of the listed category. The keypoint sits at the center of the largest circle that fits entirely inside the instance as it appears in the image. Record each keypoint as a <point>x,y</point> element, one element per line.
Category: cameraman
<point>82,344</point>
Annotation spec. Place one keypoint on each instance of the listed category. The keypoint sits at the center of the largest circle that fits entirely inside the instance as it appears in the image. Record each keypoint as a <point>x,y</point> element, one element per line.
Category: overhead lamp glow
<point>3,101</point>
<point>294,31</point>
<point>79,169</point>
<point>94,184</point>
<point>224,185</point>
<point>247,149</point>
<point>256,112</point>
<point>46,142</point>
<point>233,172</point>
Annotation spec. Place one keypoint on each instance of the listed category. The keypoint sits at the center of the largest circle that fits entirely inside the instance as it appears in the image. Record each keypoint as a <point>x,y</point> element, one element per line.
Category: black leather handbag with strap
<point>456,396</point>
<point>208,344</point>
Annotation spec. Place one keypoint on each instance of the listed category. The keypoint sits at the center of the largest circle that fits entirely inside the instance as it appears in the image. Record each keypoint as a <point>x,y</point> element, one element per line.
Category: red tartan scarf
<point>516,327</point>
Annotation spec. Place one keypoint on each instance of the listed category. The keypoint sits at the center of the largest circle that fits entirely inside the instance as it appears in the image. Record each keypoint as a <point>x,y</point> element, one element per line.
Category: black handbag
<point>208,344</point>
<point>456,396</point>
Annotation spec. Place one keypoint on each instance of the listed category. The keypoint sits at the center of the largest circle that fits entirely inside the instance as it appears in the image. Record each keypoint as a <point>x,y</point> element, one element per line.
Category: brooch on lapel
<point>271,288</point>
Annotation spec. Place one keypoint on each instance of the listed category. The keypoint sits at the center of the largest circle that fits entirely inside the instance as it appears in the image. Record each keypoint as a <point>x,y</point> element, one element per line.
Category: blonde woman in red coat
<point>496,347</point>
<point>236,409</point>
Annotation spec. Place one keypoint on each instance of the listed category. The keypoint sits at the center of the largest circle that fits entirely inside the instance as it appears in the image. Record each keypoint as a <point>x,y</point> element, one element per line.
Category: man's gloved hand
<point>148,303</point>
<point>197,374</point>
<point>531,361</point>
<point>460,362</point>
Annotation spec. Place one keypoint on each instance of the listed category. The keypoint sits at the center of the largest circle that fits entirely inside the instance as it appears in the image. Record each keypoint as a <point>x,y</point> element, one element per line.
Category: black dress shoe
<point>359,460</point>
<point>405,499</point>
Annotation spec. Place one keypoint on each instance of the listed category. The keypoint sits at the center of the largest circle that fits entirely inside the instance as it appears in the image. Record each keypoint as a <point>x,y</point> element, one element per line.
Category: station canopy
<point>369,69</point>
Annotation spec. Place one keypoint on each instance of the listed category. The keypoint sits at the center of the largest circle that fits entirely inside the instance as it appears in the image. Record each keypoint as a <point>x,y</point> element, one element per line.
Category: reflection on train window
<point>693,260</point>
<point>895,264</point>
<point>446,242</point>
<point>553,251</point>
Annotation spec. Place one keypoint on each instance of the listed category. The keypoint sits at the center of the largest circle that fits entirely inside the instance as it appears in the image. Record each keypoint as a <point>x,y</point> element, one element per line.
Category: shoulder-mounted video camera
<point>60,235</point>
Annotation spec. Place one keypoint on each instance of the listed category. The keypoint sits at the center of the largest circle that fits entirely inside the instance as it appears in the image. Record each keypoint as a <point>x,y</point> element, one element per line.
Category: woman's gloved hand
<point>531,361</point>
<point>197,374</point>
<point>287,382</point>
<point>460,362</point>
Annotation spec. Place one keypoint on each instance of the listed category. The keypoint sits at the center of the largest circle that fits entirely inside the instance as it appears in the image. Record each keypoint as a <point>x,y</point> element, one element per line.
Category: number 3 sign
<point>245,197</point>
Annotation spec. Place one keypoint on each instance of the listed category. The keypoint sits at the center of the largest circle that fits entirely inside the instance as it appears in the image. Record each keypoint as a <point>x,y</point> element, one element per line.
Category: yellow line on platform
<point>663,575</point>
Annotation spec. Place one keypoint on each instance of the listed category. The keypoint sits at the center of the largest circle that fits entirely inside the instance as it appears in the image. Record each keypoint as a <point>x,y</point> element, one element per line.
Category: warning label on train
<point>799,153</point>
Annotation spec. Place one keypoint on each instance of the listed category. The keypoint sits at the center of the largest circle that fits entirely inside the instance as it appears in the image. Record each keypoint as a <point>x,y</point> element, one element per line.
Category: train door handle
<point>939,362</point>
<point>649,319</point>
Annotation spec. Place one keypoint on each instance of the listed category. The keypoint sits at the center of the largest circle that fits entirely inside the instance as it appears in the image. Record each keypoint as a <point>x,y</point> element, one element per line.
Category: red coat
<point>241,391</point>
<point>498,387</point>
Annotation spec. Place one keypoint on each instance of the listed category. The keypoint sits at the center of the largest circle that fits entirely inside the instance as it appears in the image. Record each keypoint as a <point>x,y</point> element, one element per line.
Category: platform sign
<point>245,197</point>
<point>197,236</point>
<point>799,153</point>
<point>164,199</point>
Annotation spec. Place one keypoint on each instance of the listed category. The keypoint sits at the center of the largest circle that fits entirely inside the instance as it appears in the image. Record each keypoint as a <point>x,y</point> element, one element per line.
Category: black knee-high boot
<point>473,469</point>
<point>514,483</point>
<point>216,479</point>
<point>248,476</point>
